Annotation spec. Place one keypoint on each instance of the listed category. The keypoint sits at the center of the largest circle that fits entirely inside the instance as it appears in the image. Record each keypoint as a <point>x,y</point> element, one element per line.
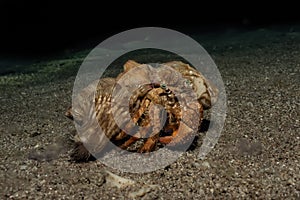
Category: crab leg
<point>144,106</point>
<point>149,144</point>
<point>176,138</point>
<point>136,137</point>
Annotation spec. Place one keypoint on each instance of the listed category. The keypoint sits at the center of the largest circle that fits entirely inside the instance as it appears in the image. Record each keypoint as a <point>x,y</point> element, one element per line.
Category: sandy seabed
<point>256,157</point>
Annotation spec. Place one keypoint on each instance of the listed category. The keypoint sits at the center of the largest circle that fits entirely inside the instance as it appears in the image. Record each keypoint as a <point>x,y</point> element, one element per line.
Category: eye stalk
<point>163,86</point>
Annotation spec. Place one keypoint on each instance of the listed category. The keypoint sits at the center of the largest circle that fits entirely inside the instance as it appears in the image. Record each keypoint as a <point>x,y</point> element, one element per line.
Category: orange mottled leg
<point>137,136</point>
<point>149,144</point>
<point>176,138</point>
<point>129,142</point>
<point>168,139</point>
<point>144,105</point>
<point>123,134</point>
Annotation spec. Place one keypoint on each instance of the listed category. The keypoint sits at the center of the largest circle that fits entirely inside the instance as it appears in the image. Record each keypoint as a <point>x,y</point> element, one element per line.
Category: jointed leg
<point>149,144</point>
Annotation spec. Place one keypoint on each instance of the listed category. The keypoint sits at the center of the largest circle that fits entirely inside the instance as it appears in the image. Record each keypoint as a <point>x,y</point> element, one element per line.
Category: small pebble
<point>250,104</point>
<point>206,164</point>
<point>195,164</point>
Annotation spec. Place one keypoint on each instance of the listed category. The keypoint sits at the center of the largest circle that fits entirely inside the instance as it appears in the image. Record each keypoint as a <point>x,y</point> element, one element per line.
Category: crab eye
<point>187,83</point>
<point>163,86</point>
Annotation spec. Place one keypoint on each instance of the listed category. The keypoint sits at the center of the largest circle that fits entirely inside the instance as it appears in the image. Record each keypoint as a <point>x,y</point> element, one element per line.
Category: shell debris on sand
<point>117,181</point>
<point>114,180</point>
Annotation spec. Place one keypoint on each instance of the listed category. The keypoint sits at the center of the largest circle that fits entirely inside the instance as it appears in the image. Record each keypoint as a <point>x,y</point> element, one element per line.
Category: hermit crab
<point>143,105</point>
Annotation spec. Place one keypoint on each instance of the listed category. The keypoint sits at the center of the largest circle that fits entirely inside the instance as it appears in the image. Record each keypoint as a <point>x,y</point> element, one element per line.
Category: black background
<point>43,27</point>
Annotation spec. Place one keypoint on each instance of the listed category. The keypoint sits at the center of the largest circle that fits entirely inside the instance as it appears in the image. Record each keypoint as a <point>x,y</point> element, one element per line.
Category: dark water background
<point>30,29</point>
<point>47,36</point>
